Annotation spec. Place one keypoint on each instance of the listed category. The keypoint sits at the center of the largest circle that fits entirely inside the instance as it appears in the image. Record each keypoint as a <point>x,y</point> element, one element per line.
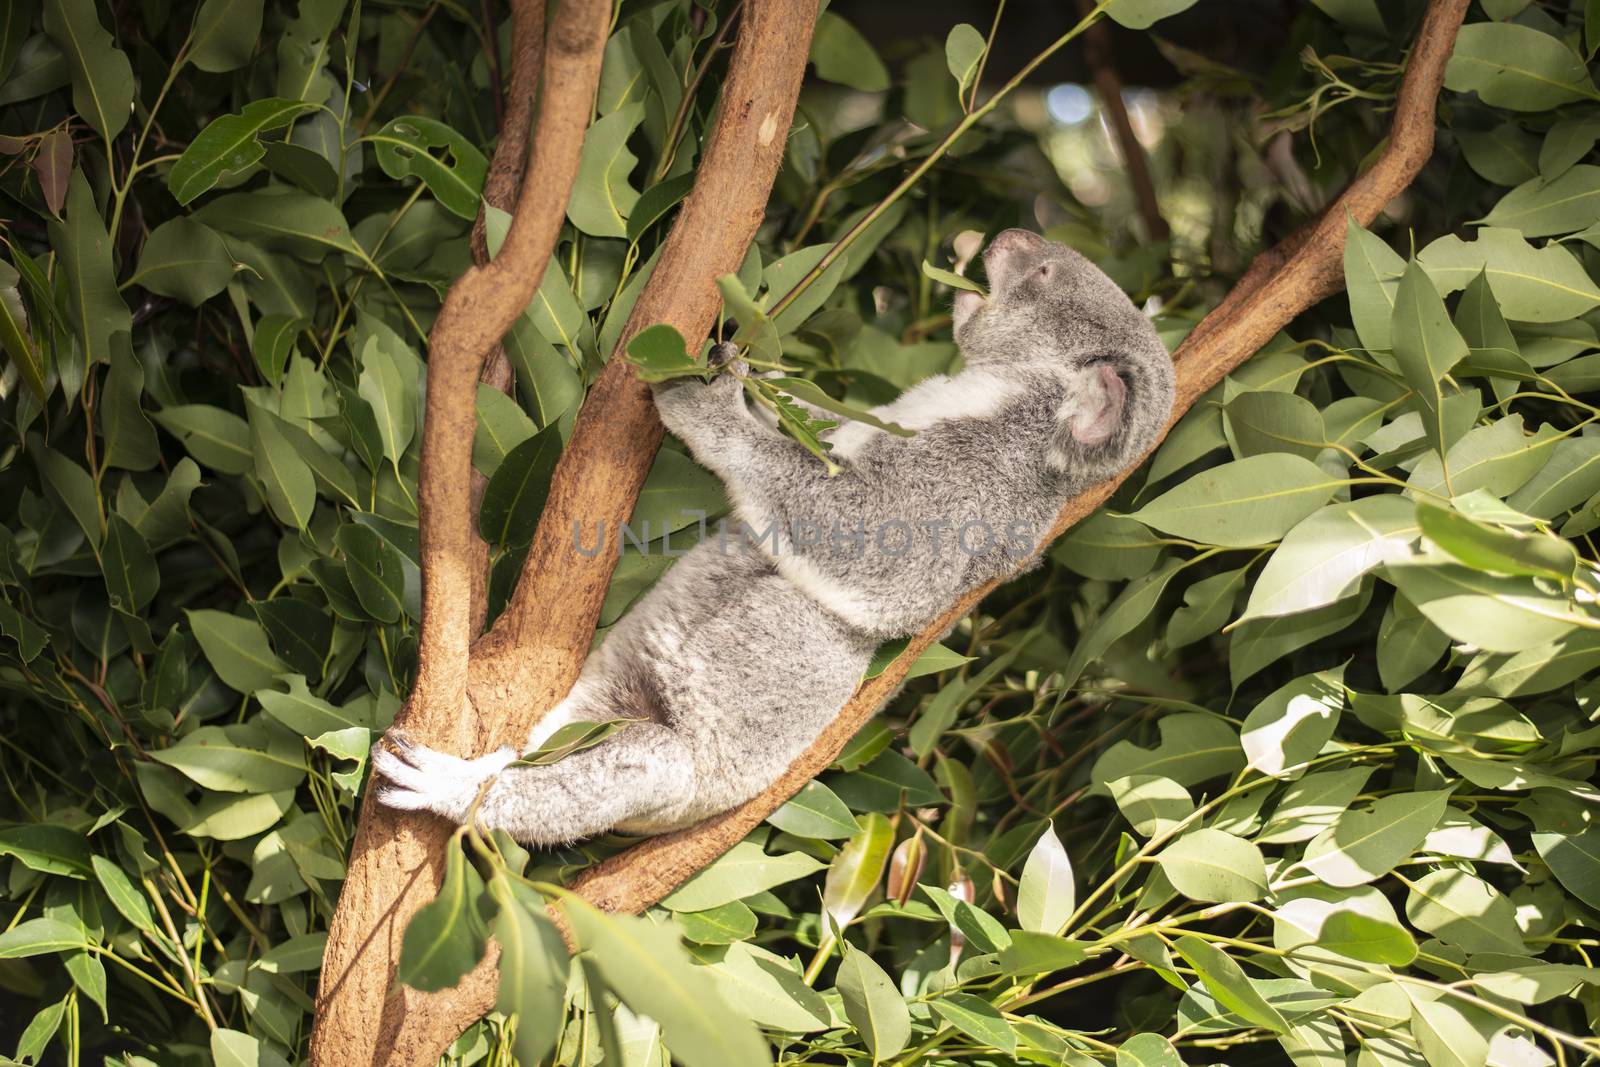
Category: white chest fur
<point>972,394</point>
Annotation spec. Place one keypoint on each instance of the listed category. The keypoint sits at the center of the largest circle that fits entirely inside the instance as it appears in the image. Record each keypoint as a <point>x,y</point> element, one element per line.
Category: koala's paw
<point>418,778</point>
<point>721,352</point>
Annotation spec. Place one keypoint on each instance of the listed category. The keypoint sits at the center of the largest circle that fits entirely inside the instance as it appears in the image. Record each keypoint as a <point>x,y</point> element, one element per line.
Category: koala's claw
<point>418,778</point>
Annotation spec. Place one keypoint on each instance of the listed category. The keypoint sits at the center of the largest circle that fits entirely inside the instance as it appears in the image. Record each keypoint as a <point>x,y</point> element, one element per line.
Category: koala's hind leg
<point>642,776</point>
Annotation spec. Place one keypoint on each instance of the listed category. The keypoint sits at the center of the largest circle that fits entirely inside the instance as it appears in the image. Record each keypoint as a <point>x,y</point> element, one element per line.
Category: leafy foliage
<point>1286,754</point>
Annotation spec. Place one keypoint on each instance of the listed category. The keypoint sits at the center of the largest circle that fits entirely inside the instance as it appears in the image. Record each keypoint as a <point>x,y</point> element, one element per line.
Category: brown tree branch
<point>1099,55</point>
<point>1283,282</point>
<point>362,1017</point>
<point>531,657</point>
<point>500,190</point>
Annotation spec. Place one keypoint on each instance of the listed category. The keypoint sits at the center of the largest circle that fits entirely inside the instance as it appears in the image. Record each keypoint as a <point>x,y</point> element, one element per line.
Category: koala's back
<point>742,666</point>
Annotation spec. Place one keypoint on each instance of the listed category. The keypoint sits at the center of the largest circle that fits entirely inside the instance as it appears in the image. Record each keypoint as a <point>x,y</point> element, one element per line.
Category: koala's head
<point>1050,309</point>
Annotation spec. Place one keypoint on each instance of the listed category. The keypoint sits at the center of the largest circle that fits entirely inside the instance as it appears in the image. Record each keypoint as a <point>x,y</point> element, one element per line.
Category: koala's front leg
<point>645,772</point>
<point>709,416</point>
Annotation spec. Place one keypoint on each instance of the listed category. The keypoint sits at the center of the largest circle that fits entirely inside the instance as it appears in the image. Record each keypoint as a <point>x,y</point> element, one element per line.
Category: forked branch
<point>1283,282</point>
<point>362,1017</point>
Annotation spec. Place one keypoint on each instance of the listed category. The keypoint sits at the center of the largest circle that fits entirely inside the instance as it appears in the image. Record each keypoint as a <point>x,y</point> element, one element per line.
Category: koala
<point>739,657</point>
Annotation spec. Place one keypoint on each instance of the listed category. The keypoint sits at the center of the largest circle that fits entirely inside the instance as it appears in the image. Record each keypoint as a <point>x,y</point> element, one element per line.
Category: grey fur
<point>742,654</point>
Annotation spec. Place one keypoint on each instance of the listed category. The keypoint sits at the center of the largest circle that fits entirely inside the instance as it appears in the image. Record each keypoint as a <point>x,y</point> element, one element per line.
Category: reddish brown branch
<point>531,657</point>
<point>500,190</point>
<point>362,1018</point>
<point>1099,54</point>
<point>1281,284</point>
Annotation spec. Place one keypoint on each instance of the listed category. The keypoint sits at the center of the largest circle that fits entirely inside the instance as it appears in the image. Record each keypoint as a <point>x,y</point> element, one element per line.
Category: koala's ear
<point>1094,409</point>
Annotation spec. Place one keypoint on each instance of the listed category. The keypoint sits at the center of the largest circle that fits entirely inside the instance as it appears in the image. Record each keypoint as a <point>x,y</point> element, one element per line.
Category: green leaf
<point>1500,614</point>
<point>382,385</point>
<point>1151,804</point>
<point>963,51</point>
<point>1426,345</point>
<point>1211,865</point>
<point>1365,844</point>
<point>722,925</point>
<point>29,358</point>
<point>1516,67</point>
<point>1575,861</point>
<point>843,56</point>
<point>872,1004</point>
<point>123,894</point>
<point>1108,546</point>
<point>1372,272</point>
<point>755,330</point>
<point>1267,422</point>
<point>1136,603</point>
<point>1292,723</point>
<point>1322,559</point>
<point>769,990</point>
<point>857,869</point>
<point>184,260</point>
<point>47,848</point>
<point>742,871</point>
<point>1531,284</point>
<point>1358,924</point>
<point>816,812</point>
<point>533,969</point>
<point>1540,207</point>
<point>1465,911</point>
<point>237,649</point>
<point>291,490</point>
<point>654,203</point>
<point>1148,1050</point>
<point>646,966</point>
<point>217,438</point>
<point>244,758</point>
<point>229,145</point>
<point>447,163</point>
<point>446,937</point>
<point>129,567</point>
<point>305,713</point>
<point>658,353</point>
<point>515,495</point>
<point>225,33</point>
<point>887,783</point>
<point>102,77</point>
<point>1142,14</point>
<point>1226,981</point>
<point>1240,504</point>
<point>1489,548</point>
<point>37,937</point>
<point>1046,896</point>
<point>602,199</point>
<point>94,306</point>
<point>1193,749</point>
<point>375,571</point>
<point>978,1019</point>
<point>1039,953</point>
<point>306,225</point>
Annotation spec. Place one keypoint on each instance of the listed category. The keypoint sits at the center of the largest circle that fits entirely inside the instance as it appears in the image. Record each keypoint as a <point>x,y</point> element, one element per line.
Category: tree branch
<point>500,190</point>
<point>1098,54</point>
<point>531,657</point>
<point>1281,284</point>
<point>396,861</point>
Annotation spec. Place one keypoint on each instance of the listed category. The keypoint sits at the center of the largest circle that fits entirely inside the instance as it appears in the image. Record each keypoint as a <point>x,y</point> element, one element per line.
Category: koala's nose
<point>1015,240</point>
<point>1006,247</point>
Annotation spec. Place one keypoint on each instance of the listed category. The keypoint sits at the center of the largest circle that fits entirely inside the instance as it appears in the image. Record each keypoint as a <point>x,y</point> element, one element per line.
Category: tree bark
<point>500,191</point>
<point>532,656</point>
<point>1280,284</point>
<point>396,862</point>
